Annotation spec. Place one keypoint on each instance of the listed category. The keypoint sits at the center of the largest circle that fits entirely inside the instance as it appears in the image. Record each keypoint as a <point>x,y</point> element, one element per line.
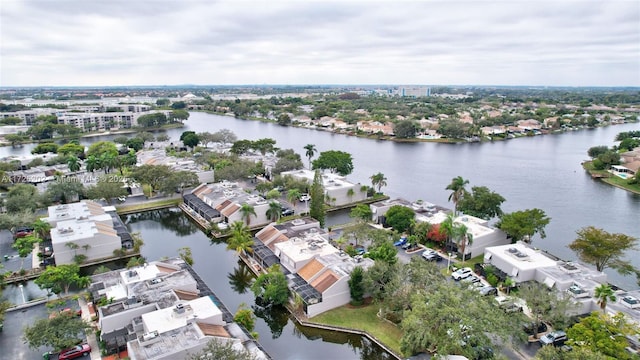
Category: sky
<point>237,42</point>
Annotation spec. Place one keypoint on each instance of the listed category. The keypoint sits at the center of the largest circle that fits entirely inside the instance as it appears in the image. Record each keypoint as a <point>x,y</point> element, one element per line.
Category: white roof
<point>168,319</point>
<point>307,247</point>
<point>528,258</point>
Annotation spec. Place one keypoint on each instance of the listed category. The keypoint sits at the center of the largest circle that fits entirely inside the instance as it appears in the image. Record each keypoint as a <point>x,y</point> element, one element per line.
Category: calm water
<point>541,171</point>
<point>166,231</point>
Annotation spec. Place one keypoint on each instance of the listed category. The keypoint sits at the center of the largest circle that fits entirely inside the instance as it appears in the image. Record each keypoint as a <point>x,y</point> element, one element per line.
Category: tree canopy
<point>481,202</point>
<point>400,218</point>
<point>524,224</point>
<point>603,249</point>
<point>335,161</point>
<point>216,349</point>
<point>316,208</point>
<point>272,287</point>
<point>60,278</point>
<point>59,332</point>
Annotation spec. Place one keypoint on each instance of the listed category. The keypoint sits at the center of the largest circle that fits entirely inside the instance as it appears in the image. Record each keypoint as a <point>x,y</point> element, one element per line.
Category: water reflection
<point>241,278</point>
<point>231,279</point>
<point>18,294</point>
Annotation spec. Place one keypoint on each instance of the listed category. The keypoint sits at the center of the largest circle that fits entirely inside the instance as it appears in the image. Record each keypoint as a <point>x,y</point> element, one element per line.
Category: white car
<point>461,273</point>
<point>305,197</point>
<point>630,302</point>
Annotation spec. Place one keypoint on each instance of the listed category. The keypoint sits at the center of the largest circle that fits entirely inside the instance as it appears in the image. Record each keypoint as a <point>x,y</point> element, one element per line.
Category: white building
<point>160,311</point>
<point>338,191</point>
<point>82,228</point>
<point>227,198</point>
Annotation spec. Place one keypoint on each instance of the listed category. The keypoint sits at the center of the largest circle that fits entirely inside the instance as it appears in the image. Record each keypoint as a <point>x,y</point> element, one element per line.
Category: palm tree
<point>247,210</point>
<point>108,161</point>
<point>378,180</point>
<point>92,163</point>
<point>457,187</point>
<point>293,195</point>
<point>41,229</point>
<point>603,294</point>
<point>240,240</point>
<point>74,163</point>
<point>458,233</point>
<point>311,151</point>
<point>350,194</point>
<point>274,211</point>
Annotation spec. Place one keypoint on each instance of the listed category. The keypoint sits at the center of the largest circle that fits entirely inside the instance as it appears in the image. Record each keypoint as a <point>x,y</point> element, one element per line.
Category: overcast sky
<point>207,42</point>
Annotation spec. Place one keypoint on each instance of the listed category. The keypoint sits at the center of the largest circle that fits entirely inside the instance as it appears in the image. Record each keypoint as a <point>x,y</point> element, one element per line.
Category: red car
<point>75,352</point>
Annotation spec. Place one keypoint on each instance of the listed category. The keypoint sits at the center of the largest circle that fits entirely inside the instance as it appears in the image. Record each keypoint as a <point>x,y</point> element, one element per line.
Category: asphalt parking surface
<point>11,343</point>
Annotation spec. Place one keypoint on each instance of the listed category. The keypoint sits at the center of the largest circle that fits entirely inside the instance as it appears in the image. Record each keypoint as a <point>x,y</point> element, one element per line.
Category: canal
<point>166,231</point>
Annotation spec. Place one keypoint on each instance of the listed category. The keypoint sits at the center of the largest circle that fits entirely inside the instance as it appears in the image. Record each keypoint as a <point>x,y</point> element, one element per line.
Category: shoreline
<point>605,177</point>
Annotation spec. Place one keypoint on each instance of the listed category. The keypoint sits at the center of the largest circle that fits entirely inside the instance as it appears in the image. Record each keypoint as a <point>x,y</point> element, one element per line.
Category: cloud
<point>144,42</point>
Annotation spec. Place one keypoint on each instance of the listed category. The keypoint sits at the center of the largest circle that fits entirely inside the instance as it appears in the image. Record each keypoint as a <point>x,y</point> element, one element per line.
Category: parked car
<point>488,290</point>
<point>409,246</point>
<point>470,279</point>
<point>529,328</point>
<point>305,197</point>
<point>401,241</point>
<point>288,212</point>
<point>630,302</point>
<point>21,232</point>
<point>508,304</point>
<point>431,256</point>
<point>75,352</point>
<point>461,273</point>
<point>555,338</point>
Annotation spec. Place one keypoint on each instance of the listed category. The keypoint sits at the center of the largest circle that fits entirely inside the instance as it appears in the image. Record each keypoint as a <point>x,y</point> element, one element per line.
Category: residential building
<point>163,310</point>
<point>159,156</point>
<point>85,228</point>
<point>338,191</point>
<point>316,270</point>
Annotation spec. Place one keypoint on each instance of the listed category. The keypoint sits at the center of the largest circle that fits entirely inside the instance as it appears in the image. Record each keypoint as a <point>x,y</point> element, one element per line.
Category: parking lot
<point>11,342</point>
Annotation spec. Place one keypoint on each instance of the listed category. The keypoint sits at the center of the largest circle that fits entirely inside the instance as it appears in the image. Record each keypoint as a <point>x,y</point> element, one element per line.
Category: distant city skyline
<point>193,42</point>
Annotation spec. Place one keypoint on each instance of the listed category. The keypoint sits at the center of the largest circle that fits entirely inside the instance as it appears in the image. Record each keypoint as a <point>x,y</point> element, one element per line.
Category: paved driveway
<point>11,344</point>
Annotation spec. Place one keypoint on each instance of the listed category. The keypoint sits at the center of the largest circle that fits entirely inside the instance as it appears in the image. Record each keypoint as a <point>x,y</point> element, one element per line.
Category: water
<point>166,231</point>
<point>533,172</point>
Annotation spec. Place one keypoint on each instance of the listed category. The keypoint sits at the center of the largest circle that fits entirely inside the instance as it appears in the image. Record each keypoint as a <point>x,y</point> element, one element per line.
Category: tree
<point>178,181</point>
<point>60,278</point>
<point>247,210</point>
<point>224,136</point>
<point>603,334</point>
<point>378,181</point>
<point>400,218</point>
<point>245,317</point>
<point>41,229</point>
<point>59,332</point>
<point>241,146</point>
<point>335,161</point>
<point>240,240</point>
<point>152,175</point>
<point>43,148</point>
<point>71,148</point>
<point>524,224</point>
<point>108,187</point>
<point>135,143</point>
<point>405,129</point>
<point>596,151</point>
<point>603,294</point>
<point>186,255</point>
<point>355,285</point>
<point>316,209</point>
<point>310,151</point>
<point>293,195</point>
<point>457,187</point>
<point>603,249</point>
<point>377,277</point>
<point>272,287</point>
<point>65,191</point>
<point>92,163</point>
<point>264,146</point>
<point>24,246</point>
<point>361,212</point>
<point>481,202</point>
<point>274,211</point>
<point>546,304</point>
<point>218,349</point>
<point>162,137</point>
<point>99,148</point>
<point>284,119</point>
<point>178,115</point>
<point>384,251</point>
<point>16,139</point>
<point>191,139</point>
<point>458,233</point>
<point>74,163</point>
<point>108,161</point>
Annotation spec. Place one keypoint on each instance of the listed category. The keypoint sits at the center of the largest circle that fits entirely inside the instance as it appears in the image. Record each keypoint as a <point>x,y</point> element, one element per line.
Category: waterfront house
<point>316,270</point>
<point>338,191</point>
<point>84,228</point>
<point>162,310</point>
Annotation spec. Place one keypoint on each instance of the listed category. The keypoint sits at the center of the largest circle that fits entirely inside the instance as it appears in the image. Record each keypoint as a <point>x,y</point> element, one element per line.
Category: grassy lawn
<point>148,205</point>
<point>612,180</point>
<point>365,319</point>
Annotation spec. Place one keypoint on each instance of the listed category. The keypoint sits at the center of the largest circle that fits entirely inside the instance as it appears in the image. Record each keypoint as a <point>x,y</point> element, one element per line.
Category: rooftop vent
<point>297,222</point>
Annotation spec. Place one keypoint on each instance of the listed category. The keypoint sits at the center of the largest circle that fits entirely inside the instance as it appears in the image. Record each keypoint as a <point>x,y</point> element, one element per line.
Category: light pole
<point>448,262</point>
<point>21,287</point>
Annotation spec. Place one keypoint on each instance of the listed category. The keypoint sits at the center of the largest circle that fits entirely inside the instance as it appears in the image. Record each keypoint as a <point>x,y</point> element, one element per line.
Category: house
<point>227,199</point>
<point>161,310</point>
<point>159,156</point>
<point>316,270</point>
<point>86,229</point>
<point>338,191</point>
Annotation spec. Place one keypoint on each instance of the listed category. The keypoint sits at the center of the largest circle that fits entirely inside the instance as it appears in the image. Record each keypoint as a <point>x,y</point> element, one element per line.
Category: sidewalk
<point>91,337</point>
